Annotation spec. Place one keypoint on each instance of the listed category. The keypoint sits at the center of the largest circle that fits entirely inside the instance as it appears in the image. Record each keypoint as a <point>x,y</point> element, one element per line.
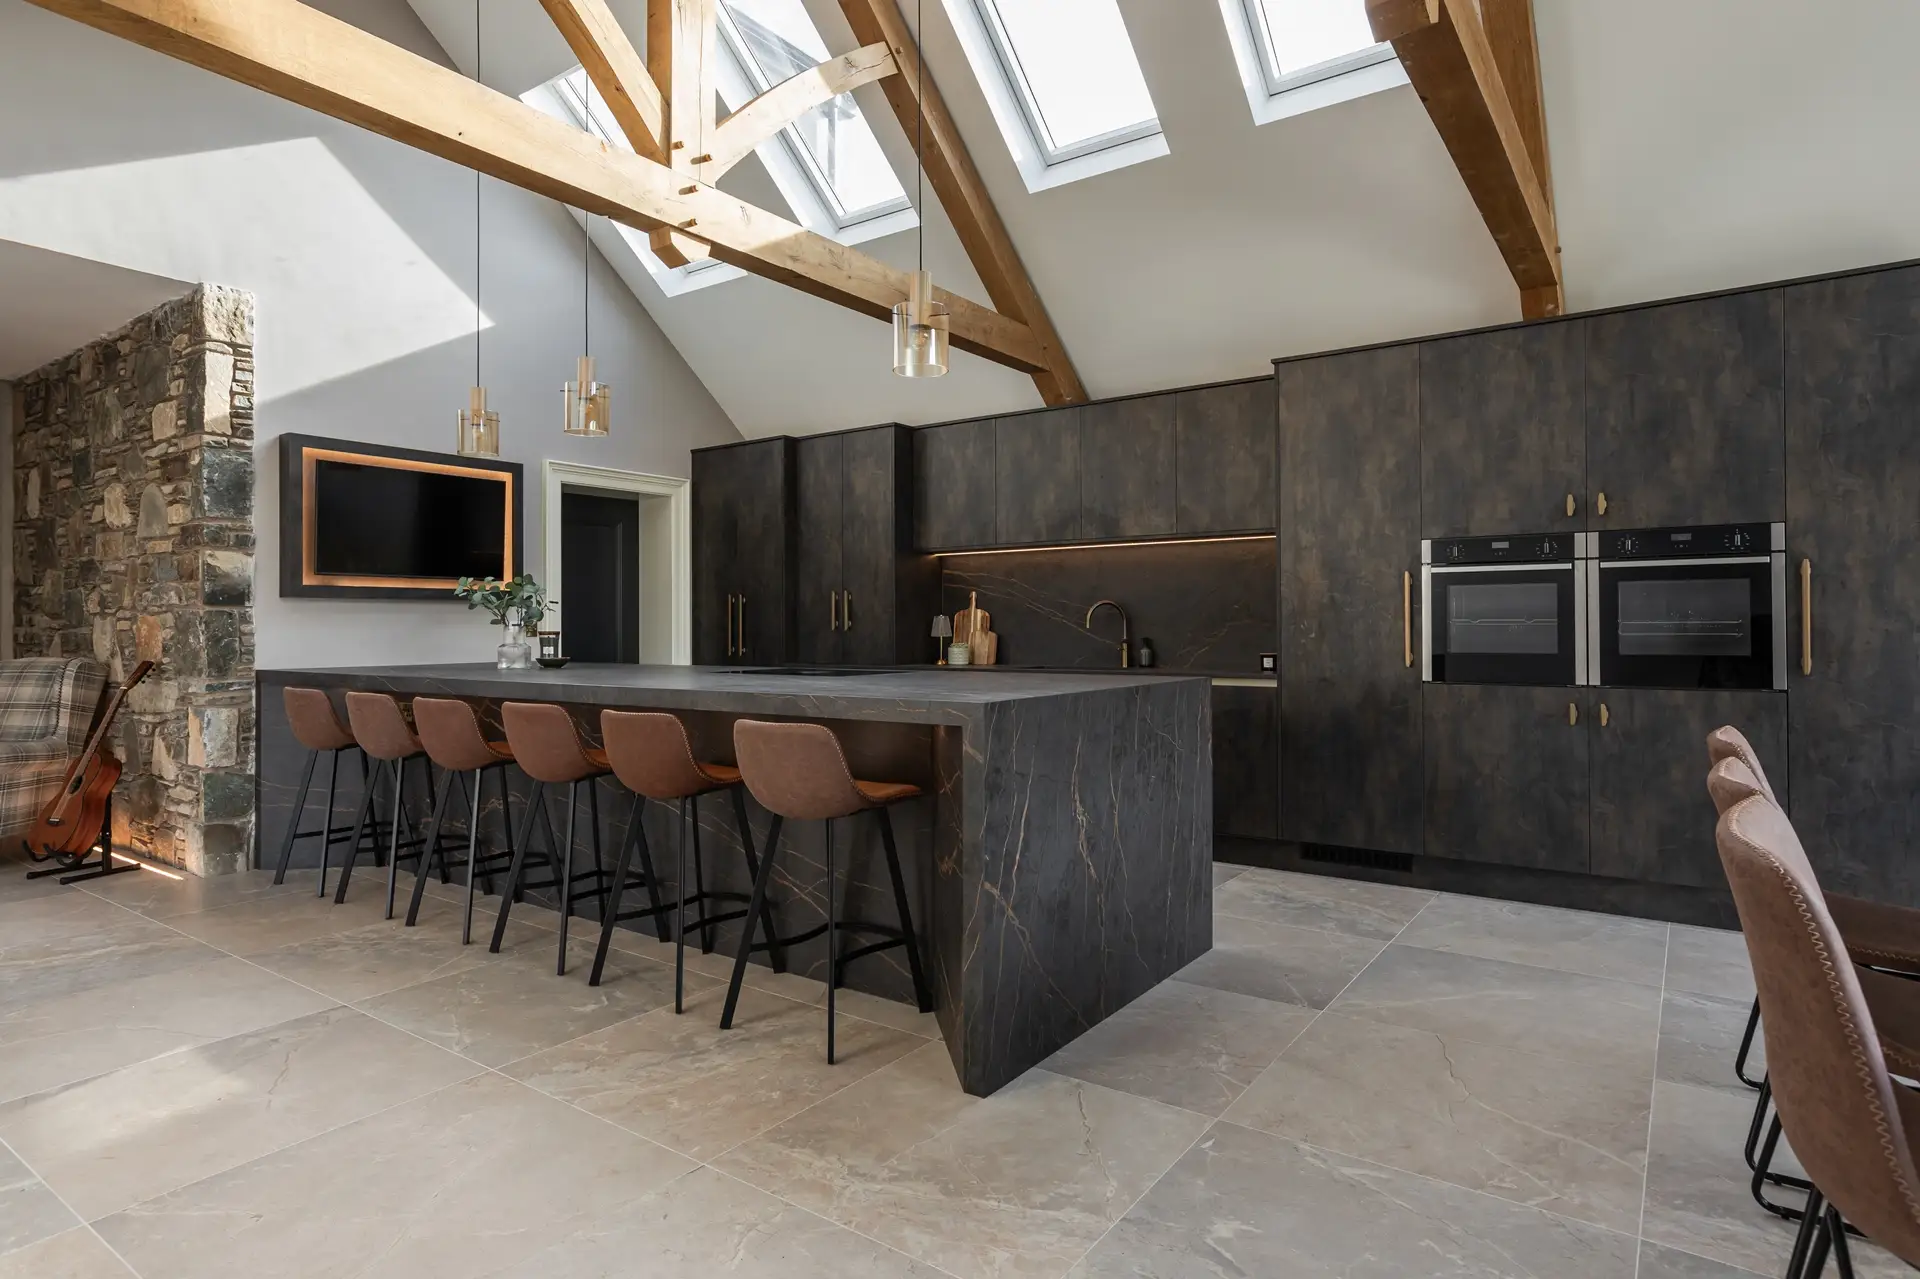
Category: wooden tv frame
<point>298,578</point>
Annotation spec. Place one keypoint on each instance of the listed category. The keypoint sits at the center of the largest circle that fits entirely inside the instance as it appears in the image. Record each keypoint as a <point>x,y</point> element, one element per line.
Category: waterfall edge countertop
<point>1064,856</point>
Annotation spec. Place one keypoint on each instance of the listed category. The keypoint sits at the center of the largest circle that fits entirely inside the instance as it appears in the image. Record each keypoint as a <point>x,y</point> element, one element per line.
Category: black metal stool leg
<point>1842,1250</point>
<point>519,868</point>
<point>473,851</point>
<point>293,822</point>
<point>699,876</point>
<point>637,835</point>
<point>608,917</point>
<point>769,855</point>
<point>326,836</point>
<point>776,953</point>
<point>393,849</point>
<point>433,841</point>
<point>369,788</point>
<point>680,914</point>
<point>1804,1241</point>
<point>599,867</point>
<point>1746,1046</point>
<point>922,992</point>
<point>833,942</point>
<point>566,877</point>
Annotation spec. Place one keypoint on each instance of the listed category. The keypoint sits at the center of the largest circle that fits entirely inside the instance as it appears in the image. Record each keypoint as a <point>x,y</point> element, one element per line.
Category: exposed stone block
<point>226,579</point>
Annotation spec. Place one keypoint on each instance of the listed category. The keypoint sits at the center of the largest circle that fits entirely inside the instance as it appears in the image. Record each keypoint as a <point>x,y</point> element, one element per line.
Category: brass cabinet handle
<point>1600,504</point>
<point>1571,505</point>
<point>1806,617</point>
<point>1573,713</point>
<point>833,614</point>
<point>729,625</point>
<point>846,610</point>
<point>743,625</point>
<point>1406,615</point>
<point>1603,715</point>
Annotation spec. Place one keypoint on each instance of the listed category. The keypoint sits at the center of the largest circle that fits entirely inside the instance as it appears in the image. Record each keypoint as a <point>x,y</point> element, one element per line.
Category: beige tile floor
<point>224,1079</point>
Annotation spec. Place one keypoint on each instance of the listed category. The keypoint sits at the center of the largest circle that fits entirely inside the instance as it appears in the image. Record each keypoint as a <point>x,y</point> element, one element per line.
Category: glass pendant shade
<point>920,331</point>
<point>589,404</point>
<point>479,427</point>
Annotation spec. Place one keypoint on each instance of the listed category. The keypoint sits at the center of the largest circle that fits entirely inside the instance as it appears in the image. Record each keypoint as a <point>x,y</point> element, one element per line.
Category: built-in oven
<point>1503,610</point>
<point>1690,607</point>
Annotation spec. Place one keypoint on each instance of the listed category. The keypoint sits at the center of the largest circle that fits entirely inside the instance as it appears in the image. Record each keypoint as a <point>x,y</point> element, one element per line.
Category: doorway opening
<point>618,563</point>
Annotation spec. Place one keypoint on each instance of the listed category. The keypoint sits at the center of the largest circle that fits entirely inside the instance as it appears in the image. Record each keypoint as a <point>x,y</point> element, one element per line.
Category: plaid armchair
<point>47,705</point>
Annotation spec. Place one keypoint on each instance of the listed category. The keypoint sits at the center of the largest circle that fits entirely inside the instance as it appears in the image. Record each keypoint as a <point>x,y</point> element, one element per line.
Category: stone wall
<point>133,538</point>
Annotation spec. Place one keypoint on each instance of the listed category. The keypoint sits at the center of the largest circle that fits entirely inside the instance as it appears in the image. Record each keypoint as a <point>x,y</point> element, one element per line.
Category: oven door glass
<point>1705,625</point>
<point>1493,627</point>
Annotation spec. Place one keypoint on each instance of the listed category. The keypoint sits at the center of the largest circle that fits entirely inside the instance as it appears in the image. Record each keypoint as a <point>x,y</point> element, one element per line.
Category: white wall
<point>6,521</point>
<point>360,253</point>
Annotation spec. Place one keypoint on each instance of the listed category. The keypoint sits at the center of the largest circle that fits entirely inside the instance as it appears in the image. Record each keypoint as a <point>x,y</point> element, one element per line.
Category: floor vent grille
<point>1362,857</point>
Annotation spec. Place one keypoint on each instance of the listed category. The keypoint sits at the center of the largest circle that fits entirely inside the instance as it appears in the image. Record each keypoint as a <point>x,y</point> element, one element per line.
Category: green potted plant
<point>514,604</point>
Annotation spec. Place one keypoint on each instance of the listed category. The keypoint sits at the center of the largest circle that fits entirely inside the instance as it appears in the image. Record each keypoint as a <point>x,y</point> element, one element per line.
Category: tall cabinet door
<point>1506,775</point>
<point>871,554</point>
<point>716,497</point>
<point>818,502</point>
<point>1683,413</point>
<point>1502,432</point>
<point>1853,469</point>
<point>1349,477</point>
<point>762,549</point>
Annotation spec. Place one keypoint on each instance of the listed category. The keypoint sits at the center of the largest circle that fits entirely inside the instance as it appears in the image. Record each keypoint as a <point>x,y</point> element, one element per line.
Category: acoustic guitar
<point>70,825</point>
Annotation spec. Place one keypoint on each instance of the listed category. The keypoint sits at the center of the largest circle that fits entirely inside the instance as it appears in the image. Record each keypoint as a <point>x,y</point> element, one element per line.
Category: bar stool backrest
<point>1841,1111</point>
<point>1728,742</point>
<point>380,727</point>
<point>315,724</point>
<point>796,770</point>
<point>546,743</point>
<point>1732,781</point>
<point>450,731</point>
<point>651,754</point>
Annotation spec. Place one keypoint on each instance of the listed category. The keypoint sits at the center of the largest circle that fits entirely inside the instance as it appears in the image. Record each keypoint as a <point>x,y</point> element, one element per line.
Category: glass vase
<point>515,654</point>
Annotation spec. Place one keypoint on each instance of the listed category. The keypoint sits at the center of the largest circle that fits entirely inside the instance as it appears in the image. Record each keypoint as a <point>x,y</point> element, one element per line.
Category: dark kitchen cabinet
<point>1652,818</point>
<point>1223,459</point>
<point>1126,468</point>
<point>1349,485</point>
<point>863,597</point>
<point>1853,469</point>
<point>1246,761</point>
<point>1684,413</point>
<point>1506,775</point>
<point>1503,432</point>
<point>953,486</point>
<point>1036,477</point>
<point>743,552</point>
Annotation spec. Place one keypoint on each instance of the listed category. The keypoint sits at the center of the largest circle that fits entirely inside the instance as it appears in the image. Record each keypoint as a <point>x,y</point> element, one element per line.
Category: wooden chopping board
<point>970,621</point>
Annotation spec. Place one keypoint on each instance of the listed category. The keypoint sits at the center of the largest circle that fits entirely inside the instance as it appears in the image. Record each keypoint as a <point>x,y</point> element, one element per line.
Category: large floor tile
<point>362,963</point>
<point>1709,961</point>
<point>39,964</point>
<point>29,1211</point>
<point>1490,1001</point>
<point>1574,941</point>
<point>1279,962</point>
<point>1697,1188</point>
<point>1223,871</point>
<point>1670,1263</point>
<point>1189,1046</point>
<point>1331,905</point>
<point>37,921</point>
<point>118,1138</point>
<point>700,1090</point>
<point>76,1254</point>
<point>1569,1137</point>
<point>159,897</point>
<point>266,923</point>
<point>16,887</point>
<point>57,1041</point>
<point>707,1223</point>
<point>1017,1184</point>
<point>1700,1037</point>
<point>499,1012</point>
<point>1245,1203</point>
<point>470,1180</point>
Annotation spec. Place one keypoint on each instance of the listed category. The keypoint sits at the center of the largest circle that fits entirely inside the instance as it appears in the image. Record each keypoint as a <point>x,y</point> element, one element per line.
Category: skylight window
<point>1064,85</point>
<point>1296,55</point>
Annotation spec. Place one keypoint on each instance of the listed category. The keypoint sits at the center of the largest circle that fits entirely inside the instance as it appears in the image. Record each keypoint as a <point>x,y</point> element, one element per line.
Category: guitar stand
<point>74,870</point>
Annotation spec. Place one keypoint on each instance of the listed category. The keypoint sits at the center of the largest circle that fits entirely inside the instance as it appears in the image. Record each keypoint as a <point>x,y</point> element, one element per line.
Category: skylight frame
<point>1042,166</point>
<point>1274,95</point>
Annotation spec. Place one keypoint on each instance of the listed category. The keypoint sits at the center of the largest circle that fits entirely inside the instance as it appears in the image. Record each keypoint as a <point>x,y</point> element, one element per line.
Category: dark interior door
<point>869,547</point>
<point>600,580</point>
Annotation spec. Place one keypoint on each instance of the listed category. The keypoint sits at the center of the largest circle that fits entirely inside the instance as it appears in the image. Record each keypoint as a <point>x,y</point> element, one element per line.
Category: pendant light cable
<point>476,212</point>
<point>920,123</point>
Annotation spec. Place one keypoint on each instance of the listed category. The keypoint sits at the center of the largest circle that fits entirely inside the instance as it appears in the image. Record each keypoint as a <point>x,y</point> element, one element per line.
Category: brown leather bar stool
<point>316,726</point>
<point>798,771</point>
<point>549,750</point>
<point>450,732</point>
<point>652,756</point>
<point>387,738</point>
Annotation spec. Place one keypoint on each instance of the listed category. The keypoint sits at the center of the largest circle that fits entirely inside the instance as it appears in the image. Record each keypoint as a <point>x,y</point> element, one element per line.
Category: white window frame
<point>1364,71</point>
<point>1041,167</point>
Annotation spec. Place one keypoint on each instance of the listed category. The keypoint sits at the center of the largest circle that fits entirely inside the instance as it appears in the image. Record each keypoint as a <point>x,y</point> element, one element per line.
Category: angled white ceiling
<point>51,303</point>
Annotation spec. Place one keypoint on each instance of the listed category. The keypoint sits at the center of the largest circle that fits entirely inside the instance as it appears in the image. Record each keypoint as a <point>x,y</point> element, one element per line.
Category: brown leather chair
<point>547,746</point>
<point>388,740</point>
<point>799,772</point>
<point>316,726</point>
<point>652,756</point>
<point>1853,1128</point>
<point>450,731</point>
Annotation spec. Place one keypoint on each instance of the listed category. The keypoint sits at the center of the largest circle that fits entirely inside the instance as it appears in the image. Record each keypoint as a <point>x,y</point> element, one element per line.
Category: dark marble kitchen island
<point>1059,866</point>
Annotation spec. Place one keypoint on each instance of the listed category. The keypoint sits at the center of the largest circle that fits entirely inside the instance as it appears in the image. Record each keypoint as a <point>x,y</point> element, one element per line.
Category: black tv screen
<point>404,523</point>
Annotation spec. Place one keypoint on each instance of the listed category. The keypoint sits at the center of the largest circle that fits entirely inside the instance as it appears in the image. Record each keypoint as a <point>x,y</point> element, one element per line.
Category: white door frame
<point>556,475</point>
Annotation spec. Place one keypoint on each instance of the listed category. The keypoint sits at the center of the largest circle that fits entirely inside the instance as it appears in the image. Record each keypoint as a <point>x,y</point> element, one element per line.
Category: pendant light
<point>479,425</point>
<point>588,404</point>
<point>920,323</point>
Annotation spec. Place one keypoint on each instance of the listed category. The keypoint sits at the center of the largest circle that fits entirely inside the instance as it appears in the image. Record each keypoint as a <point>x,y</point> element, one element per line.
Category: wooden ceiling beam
<point>616,70</point>
<point>296,52</point>
<point>735,137</point>
<point>956,183</point>
<point>1477,70</point>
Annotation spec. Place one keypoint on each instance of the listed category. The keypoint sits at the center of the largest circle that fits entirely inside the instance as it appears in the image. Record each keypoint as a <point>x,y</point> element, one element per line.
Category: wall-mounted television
<point>365,521</point>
